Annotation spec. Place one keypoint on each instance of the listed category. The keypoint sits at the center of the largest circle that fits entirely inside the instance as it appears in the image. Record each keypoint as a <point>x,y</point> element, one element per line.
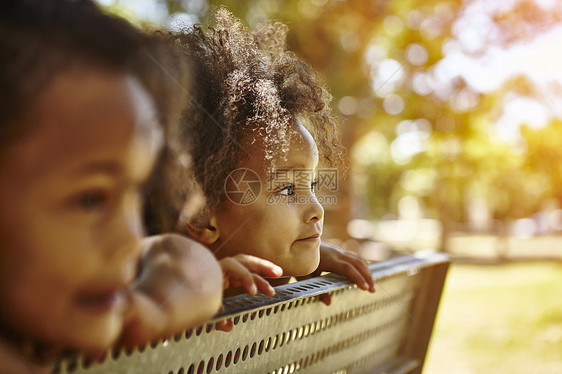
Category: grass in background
<point>499,319</point>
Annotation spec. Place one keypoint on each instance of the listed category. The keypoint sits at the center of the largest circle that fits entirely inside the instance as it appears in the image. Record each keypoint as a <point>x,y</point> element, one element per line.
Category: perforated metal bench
<point>386,332</point>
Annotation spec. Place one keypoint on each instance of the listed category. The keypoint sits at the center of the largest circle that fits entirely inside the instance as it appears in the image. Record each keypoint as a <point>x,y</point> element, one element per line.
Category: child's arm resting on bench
<point>179,286</point>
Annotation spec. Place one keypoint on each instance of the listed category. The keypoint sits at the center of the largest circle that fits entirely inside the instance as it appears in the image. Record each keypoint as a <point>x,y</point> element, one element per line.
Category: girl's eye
<point>92,201</point>
<point>288,190</point>
<point>313,186</point>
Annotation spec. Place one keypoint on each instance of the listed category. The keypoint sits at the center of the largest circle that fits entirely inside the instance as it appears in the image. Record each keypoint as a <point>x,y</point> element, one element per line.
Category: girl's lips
<point>101,301</point>
<point>312,238</point>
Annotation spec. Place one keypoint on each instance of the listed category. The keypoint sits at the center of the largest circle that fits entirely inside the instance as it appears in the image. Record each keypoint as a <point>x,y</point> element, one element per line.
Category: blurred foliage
<point>350,42</point>
<point>544,155</point>
<point>434,144</point>
<point>409,133</point>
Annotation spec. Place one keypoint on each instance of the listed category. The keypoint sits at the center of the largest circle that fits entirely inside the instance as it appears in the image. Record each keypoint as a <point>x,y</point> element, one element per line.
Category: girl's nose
<point>126,231</point>
<point>314,211</point>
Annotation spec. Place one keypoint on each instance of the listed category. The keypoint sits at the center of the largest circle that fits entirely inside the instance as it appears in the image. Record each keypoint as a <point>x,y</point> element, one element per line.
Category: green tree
<point>411,131</point>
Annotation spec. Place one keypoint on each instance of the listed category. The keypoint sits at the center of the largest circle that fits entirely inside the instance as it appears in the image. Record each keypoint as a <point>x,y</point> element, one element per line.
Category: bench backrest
<point>387,331</point>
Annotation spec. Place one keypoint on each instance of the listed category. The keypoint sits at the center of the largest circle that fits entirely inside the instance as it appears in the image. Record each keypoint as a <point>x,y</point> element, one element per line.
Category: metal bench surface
<point>294,331</point>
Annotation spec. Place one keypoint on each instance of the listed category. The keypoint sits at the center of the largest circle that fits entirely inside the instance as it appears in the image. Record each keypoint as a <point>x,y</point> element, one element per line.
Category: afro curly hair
<point>247,85</point>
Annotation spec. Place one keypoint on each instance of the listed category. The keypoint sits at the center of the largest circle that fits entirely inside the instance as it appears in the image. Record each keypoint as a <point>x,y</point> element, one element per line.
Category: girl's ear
<point>206,235</point>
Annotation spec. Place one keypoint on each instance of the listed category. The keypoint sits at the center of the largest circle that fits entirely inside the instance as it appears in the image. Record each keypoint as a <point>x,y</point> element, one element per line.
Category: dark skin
<point>340,261</point>
<point>240,274</point>
<point>332,259</point>
<point>275,227</point>
<point>71,227</point>
<point>350,264</point>
<point>169,283</point>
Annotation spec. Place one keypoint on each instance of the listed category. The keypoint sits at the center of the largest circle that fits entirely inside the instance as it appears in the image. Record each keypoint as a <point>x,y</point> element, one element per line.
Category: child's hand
<point>243,270</point>
<point>351,265</point>
<point>179,286</point>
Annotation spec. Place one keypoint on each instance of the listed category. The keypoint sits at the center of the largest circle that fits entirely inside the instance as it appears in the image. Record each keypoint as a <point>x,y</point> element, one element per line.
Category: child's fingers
<point>144,321</point>
<point>259,265</point>
<point>225,325</point>
<point>263,285</point>
<point>353,272</point>
<point>363,268</point>
<point>326,298</point>
<point>358,271</point>
<point>237,274</point>
<point>346,263</point>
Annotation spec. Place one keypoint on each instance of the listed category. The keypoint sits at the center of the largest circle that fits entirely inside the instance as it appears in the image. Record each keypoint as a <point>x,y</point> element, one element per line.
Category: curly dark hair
<point>41,39</point>
<point>247,83</point>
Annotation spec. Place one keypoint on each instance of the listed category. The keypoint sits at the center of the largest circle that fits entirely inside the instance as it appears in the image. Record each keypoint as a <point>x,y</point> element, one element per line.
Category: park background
<point>451,114</point>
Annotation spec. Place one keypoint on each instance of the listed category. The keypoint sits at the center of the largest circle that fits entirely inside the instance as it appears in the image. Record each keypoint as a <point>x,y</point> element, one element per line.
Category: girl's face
<point>70,217</point>
<point>284,223</point>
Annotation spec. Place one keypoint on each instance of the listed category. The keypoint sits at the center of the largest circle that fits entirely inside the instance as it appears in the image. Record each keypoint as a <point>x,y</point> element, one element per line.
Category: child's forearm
<point>190,278</point>
<point>179,287</point>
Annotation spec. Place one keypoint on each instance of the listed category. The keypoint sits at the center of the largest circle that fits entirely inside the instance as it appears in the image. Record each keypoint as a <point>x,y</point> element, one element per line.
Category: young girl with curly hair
<point>259,127</point>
